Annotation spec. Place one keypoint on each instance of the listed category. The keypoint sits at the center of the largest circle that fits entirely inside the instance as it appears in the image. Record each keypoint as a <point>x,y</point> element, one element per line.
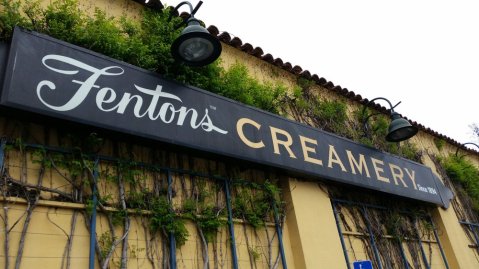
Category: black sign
<point>3,60</point>
<point>54,78</point>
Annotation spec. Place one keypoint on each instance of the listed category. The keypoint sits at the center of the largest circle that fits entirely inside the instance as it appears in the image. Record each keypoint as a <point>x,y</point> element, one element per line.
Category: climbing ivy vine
<point>463,172</point>
<point>165,200</point>
<point>145,44</point>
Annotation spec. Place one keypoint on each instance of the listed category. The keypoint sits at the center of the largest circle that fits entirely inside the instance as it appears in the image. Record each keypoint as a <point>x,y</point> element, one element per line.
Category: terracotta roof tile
<point>278,62</point>
<point>297,69</point>
<point>329,85</point>
<point>336,88</point>
<point>247,47</point>
<point>213,30</point>
<point>305,74</point>
<point>225,37</point>
<point>287,66</point>
<point>322,81</point>
<point>349,94</point>
<point>257,52</point>
<point>236,42</point>
<point>268,58</point>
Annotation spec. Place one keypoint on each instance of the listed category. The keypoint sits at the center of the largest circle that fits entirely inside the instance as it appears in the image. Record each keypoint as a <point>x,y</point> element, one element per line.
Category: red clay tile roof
<point>298,71</point>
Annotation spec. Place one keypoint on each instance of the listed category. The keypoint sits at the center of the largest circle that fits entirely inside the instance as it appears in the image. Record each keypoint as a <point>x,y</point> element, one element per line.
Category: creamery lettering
<point>312,151</point>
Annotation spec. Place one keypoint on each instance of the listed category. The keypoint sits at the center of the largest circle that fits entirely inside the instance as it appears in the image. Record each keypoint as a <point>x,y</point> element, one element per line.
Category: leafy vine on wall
<point>145,44</point>
<point>132,186</point>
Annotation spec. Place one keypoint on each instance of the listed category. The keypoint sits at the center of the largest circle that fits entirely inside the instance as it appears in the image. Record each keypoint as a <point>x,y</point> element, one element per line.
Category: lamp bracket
<point>468,143</point>
<point>192,12</point>
<point>366,118</point>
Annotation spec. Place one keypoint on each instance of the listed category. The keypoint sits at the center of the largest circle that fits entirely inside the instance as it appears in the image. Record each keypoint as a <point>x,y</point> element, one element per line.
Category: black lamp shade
<point>195,46</point>
<point>400,129</point>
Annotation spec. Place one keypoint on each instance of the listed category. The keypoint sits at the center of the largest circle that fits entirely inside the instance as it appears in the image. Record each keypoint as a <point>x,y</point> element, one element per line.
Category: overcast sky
<point>423,53</point>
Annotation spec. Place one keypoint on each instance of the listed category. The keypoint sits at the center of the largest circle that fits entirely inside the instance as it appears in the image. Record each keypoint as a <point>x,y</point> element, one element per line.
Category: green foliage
<point>255,252</point>
<point>380,126</point>
<point>465,173</point>
<point>332,113</point>
<point>105,243</point>
<point>399,226</point>
<point>10,16</point>
<point>305,84</point>
<point>118,216</point>
<point>89,206</point>
<point>164,218</point>
<point>130,172</point>
<point>238,85</point>
<point>145,44</point>
<point>139,200</point>
<point>39,156</point>
<point>63,20</point>
<point>439,142</point>
<point>209,222</point>
<point>409,151</point>
<point>75,163</point>
<point>254,204</point>
<point>205,215</point>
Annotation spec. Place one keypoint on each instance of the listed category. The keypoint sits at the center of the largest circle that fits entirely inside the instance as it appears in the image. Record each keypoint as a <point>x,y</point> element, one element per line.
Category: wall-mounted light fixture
<point>468,143</point>
<point>195,46</point>
<point>399,129</point>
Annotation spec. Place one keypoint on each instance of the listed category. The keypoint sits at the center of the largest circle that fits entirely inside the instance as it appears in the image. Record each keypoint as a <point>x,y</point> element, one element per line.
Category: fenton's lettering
<point>107,101</point>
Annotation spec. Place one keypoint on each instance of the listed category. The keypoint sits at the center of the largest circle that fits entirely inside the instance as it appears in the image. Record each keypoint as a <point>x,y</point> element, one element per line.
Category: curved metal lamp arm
<point>192,12</point>
<point>468,143</point>
<point>382,98</point>
<point>366,119</point>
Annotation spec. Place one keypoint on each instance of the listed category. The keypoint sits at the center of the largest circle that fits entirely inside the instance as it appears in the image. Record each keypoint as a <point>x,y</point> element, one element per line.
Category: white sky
<point>424,53</point>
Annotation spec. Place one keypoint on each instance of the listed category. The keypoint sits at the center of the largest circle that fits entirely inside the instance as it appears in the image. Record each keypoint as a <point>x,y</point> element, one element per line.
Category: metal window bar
<point>363,207</point>
<point>472,227</point>
<point>171,235</point>
<point>94,193</point>
<point>169,170</point>
<point>280,235</point>
<point>439,243</point>
<point>371,237</point>
<point>403,254</point>
<point>3,143</point>
<point>341,238</point>
<point>423,253</point>
<point>231,225</point>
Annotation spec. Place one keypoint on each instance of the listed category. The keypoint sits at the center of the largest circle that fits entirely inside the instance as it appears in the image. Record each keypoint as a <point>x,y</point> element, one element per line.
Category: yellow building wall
<point>311,224</point>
